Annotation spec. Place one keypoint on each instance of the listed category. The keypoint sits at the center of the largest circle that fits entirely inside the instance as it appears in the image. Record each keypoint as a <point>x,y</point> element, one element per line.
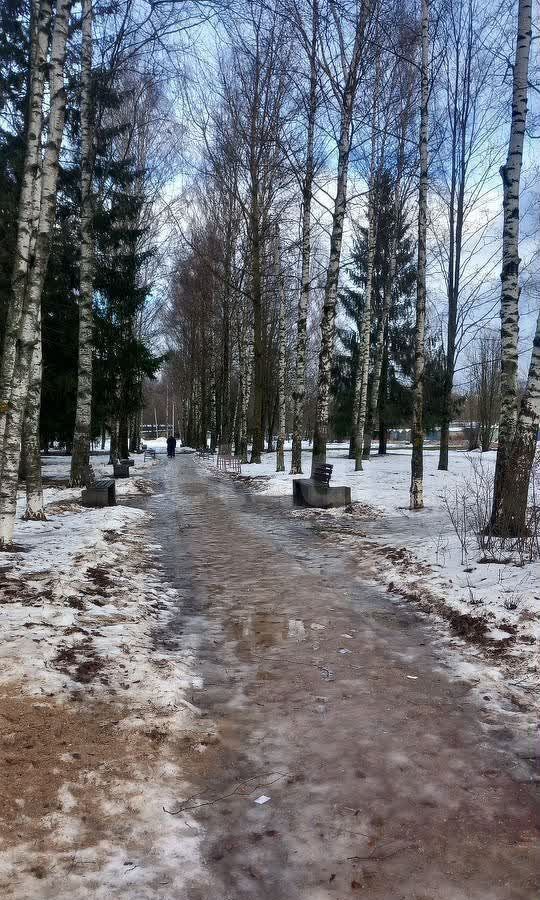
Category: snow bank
<point>94,707</point>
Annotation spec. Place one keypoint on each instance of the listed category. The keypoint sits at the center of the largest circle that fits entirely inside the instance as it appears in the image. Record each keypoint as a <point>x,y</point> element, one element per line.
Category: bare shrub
<point>469,509</point>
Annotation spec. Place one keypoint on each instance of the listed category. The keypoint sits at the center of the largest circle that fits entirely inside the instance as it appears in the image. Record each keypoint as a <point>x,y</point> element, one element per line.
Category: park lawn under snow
<point>81,599</point>
<point>419,555</point>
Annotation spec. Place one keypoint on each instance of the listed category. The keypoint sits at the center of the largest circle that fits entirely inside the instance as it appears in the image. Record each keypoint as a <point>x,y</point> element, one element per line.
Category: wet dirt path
<point>386,780</point>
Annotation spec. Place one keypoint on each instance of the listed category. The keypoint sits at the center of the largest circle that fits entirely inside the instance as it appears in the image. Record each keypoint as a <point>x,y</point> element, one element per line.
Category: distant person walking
<point>171,446</point>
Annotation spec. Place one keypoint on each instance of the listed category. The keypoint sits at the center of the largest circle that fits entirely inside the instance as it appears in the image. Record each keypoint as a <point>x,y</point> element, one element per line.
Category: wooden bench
<point>120,469</point>
<point>316,491</point>
<point>100,493</point>
<point>229,464</point>
<point>205,454</point>
<point>149,453</point>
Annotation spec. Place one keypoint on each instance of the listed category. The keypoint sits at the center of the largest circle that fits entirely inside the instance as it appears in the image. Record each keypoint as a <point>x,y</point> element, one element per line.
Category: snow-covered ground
<point>494,605</point>
<point>89,703</point>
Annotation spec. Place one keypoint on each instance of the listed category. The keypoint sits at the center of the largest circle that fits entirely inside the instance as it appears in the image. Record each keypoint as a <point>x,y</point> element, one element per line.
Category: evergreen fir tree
<point>397,353</point>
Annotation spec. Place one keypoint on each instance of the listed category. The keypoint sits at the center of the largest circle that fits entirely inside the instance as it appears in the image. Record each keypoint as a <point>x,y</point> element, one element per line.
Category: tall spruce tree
<point>352,302</point>
<point>122,358</point>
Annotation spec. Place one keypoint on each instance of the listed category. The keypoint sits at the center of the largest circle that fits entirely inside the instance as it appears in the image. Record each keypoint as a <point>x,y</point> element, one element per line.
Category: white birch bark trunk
<point>511,174</point>
<point>328,321</point>
<point>364,338</point>
<point>515,493</point>
<point>347,96</point>
<point>213,412</point>
<point>362,372</point>
<point>29,330</point>
<point>379,348</point>
<point>280,444</point>
<point>30,190</point>
<point>247,369</point>
<point>299,389</point>
<point>235,419</point>
<point>31,442</point>
<point>416,499</point>
<point>80,460</point>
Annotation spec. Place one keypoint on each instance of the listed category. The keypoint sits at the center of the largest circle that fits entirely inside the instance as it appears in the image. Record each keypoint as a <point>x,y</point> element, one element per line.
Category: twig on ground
<point>237,790</point>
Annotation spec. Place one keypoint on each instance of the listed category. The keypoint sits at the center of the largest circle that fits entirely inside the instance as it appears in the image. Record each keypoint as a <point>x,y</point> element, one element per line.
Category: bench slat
<point>322,474</point>
<point>102,484</point>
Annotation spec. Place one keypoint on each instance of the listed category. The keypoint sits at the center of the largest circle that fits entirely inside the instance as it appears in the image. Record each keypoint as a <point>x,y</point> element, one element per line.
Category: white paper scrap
<point>262,799</point>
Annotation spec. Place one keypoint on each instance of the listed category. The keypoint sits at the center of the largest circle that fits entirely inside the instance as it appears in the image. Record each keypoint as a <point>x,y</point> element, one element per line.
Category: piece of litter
<point>413,677</point>
<point>262,799</point>
<point>316,625</point>
<point>347,636</point>
<point>343,650</point>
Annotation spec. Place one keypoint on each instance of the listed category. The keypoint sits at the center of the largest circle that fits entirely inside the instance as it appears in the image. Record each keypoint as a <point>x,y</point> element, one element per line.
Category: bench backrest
<point>229,463</point>
<point>322,474</point>
<point>103,484</point>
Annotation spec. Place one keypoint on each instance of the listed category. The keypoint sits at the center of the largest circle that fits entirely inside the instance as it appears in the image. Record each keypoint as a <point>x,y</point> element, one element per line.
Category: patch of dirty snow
<point>96,709</point>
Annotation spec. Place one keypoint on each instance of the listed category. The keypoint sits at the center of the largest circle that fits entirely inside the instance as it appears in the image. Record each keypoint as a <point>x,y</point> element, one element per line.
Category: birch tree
<point>364,338</point>
<point>30,192</point>
<point>515,489</point>
<point>80,460</point>
<point>310,43</point>
<point>344,74</point>
<point>416,500</point>
<point>511,174</point>
<point>467,85</point>
<point>281,402</point>
<point>246,370</point>
<point>254,89</point>
<point>31,446</point>
<point>26,295</point>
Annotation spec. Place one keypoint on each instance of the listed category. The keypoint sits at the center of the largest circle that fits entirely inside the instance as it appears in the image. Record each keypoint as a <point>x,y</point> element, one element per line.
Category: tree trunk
<point>29,327</point>
<point>299,390</point>
<point>378,356</point>
<point>135,434</point>
<point>280,446</point>
<point>457,185</point>
<point>512,518</point>
<point>246,391</point>
<point>256,297</point>
<point>365,333</point>
<point>383,389</point>
<point>123,436</point>
<point>511,174</point>
<point>328,321</point>
<point>31,438</point>
<point>113,446</point>
<point>29,198</point>
<point>235,425</point>
<point>213,415</point>
<point>226,431</point>
<point>80,460</point>
<point>417,430</point>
